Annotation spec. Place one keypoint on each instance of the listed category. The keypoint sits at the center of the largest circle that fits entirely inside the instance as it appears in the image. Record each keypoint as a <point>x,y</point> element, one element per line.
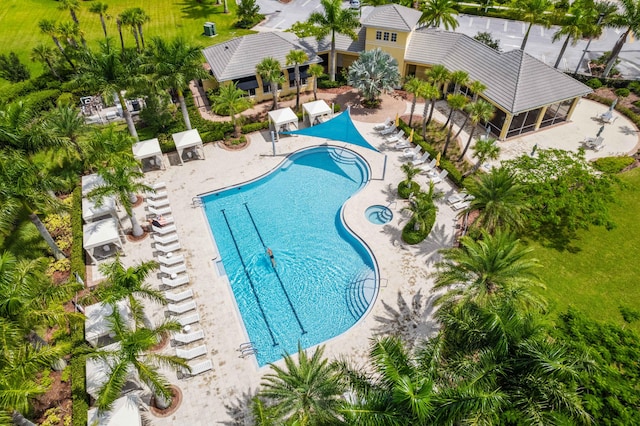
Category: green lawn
<point>604,272</point>
<point>19,19</point>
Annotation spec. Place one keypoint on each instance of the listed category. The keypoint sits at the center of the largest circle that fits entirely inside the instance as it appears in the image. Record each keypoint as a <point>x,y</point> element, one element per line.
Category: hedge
<point>77,252</point>
<point>410,236</point>
<point>254,127</point>
<point>612,165</point>
<point>623,110</point>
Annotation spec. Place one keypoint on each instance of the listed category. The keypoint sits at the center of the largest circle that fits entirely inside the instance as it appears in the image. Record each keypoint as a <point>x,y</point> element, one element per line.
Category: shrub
<point>612,165</point>
<point>42,100</point>
<point>411,236</point>
<point>594,83</point>
<point>328,84</point>
<point>11,92</point>
<point>77,252</point>
<point>254,127</point>
<point>622,92</point>
<point>634,86</point>
<point>405,189</point>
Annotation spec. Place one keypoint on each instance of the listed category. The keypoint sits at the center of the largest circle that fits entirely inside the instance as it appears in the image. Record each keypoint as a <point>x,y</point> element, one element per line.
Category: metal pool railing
<point>295,314</point>
<point>253,288</point>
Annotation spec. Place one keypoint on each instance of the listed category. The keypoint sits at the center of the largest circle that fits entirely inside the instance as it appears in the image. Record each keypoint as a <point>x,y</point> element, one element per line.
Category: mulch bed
<point>175,403</point>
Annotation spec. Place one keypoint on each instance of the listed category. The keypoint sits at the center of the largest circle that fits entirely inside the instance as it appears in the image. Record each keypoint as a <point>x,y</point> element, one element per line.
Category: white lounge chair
<point>170,260</point>
<point>157,195</point>
<point>429,167</point>
<point>185,339</point>
<point>396,137</point>
<point>168,248</point>
<point>181,308</point>
<point>420,160</point>
<point>158,186</point>
<point>388,122</point>
<point>176,269</point>
<point>402,144</point>
<point>461,205</point>
<point>192,353</point>
<point>172,238</point>
<point>178,297</point>
<point>176,282</point>
<point>198,368</point>
<point>164,230</point>
<point>412,153</point>
<point>158,203</point>
<point>188,320</point>
<point>161,211</point>
<point>456,198</point>
<point>439,178</point>
<point>388,130</point>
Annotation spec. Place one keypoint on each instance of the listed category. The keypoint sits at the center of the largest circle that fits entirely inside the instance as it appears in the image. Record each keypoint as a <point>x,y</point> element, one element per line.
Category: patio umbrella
<point>600,131</point>
<point>438,159</point>
<point>397,122</point>
<point>411,136</point>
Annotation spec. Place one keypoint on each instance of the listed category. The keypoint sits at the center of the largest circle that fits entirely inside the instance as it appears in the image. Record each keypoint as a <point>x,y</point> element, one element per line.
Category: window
<point>378,35</point>
<point>386,36</point>
<point>394,37</point>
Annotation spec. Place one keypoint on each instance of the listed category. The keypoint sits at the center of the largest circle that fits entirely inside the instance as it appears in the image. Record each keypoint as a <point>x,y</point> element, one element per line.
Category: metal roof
<point>343,43</point>
<point>392,17</point>
<point>515,80</point>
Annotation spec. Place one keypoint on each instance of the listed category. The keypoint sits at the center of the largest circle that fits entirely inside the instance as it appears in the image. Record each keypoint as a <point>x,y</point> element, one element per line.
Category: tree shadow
<point>200,9</point>
<point>437,239</point>
<point>626,130</point>
<point>239,409</point>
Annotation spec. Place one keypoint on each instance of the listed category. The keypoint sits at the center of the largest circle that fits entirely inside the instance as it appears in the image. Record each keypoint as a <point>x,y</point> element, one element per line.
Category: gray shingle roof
<point>515,80</point>
<point>392,17</point>
<point>238,57</point>
<point>343,43</point>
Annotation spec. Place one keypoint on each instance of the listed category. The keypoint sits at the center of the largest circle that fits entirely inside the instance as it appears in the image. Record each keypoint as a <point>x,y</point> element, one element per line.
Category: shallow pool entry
<point>378,215</point>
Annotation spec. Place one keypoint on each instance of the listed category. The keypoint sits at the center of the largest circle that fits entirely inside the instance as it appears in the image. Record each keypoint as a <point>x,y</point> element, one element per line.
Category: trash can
<point>209,29</point>
<point>135,104</point>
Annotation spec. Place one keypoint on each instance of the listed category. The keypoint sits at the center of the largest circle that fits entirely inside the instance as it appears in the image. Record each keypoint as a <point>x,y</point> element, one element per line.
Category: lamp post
<point>584,52</point>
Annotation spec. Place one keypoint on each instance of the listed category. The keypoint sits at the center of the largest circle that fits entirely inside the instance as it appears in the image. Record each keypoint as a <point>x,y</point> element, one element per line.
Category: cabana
<point>188,139</point>
<point>97,373</point>
<point>316,111</point>
<point>91,212</point>
<point>149,150</point>
<point>282,118</point>
<point>125,412</point>
<point>100,236</point>
<point>96,325</point>
<point>91,181</point>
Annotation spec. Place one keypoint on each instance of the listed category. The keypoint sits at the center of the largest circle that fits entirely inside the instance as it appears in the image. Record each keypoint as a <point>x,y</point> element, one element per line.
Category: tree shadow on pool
<point>412,321</point>
<point>239,409</point>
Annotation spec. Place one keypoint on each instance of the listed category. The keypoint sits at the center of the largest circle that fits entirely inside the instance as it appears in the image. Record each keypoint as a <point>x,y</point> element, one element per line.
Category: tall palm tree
<point>295,58</point>
<point>72,6</point>
<point>138,18</point>
<point>119,24</point>
<point>122,181</point>
<point>128,18</point>
<point>422,208</point>
<point>105,147</point>
<point>49,27</point>
<point>459,78</point>
<point>413,86</point>
<point>456,103</point>
<point>45,54</point>
<point>172,65</point>
<point>373,73</point>
<point>494,266</point>
<point>438,75</point>
<point>68,124</point>
<point>270,71</point>
<point>580,21</point>
<point>484,149</point>
<point>479,111</point>
<point>476,87</point>
<point>429,93</point>
<point>629,18</point>
<point>231,100</point>
<point>109,71</point>
<point>308,392</point>
<point>316,71</point>
<point>498,201</point>
<point>69,31</point>
<point>100,9</point>
<point>133,353</point>
<point>532,12</point>
<point>440,12</point>
<point>335,19</point>
<point>23,128</point>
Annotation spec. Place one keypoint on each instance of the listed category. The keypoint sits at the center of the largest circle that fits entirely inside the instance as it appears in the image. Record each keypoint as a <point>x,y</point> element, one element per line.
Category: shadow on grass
<point>200,9</point>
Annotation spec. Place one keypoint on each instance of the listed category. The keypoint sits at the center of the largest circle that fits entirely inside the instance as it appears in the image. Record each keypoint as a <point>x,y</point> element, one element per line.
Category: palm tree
<point>128,17</point>
<point>68,124</point>
<point>422,209</point>
<point>172,65</point>
<point>484,149</point>
<point>580,20</point>
<point>334,20</point>
<point>479,111</point>
<point>438,75</point>
<point>231,100</point>
<point>476,87</point>
<point>119,24</point>
<point>44,54</point>
<point>373,73</point>
<point>497,200</point>
<point>458,78</point>
<point>133,353</point>
<point>413,86</point>
<point>72,6</point>
<point>269,70</point>
<point>629,18</point>
<point>49,27</point>
<point>24,129</point>
<point>532,12</point>
<point>304,393</point>
<point>315,70</point>
<point>69,31</point>
<point>295,58</point>
<point>440,12</point>
<point>408,186</point>
<point>139,18</point>
<point>121,181</point>
<point>429,93</point>
<point>26,188</point>
<point>108,71</point>
<point>456,103</point>
<point>494,266</point>
<point>100,9</point>
<point>105,147</point>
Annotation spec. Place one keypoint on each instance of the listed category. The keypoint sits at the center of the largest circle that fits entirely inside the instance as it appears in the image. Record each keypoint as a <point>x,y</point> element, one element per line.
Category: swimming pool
<point>324,279</point>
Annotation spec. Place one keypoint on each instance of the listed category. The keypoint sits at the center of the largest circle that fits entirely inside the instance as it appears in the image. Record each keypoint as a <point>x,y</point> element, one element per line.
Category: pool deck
<point>403,305</point>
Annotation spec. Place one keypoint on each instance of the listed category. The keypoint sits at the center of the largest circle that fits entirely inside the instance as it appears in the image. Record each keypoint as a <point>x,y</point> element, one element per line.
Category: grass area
<point>19,31</point>
<point>601,274</point>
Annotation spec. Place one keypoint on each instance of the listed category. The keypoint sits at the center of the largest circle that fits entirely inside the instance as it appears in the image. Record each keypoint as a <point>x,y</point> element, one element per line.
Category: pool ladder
<point>247,349</point>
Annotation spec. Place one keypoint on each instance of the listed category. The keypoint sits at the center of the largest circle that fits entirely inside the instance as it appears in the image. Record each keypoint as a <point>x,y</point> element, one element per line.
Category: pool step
<point>359,296</point>
<point>343,156</point>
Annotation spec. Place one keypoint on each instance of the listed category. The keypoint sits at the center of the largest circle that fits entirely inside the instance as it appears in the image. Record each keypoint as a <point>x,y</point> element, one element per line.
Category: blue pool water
<point>323,280</point>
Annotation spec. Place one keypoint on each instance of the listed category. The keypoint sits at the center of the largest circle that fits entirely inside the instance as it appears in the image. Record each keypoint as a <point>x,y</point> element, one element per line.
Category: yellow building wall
<point>395,49</point>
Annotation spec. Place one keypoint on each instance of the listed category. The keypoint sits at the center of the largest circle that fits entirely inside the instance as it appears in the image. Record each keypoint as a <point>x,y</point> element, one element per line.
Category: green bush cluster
<point>623,92</point>
<point>42,100</point>
<point>612,165</point>
<point>405,189</point>
<point>634,86</point>
<point>594,83</point>
<point>254,127</point>
<point>77,252</point>
<point>411,236</point>
<point>11,92</point>
<point>79,395</point>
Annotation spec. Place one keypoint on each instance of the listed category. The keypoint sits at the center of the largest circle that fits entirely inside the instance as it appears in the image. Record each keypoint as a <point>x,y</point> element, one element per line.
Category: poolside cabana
<point>188,139</point>
<point>91,181</point>
<point>100,238</point>
<point>125,412</point>
<point>91,212</point>
<point>282,119</point>
<point>149,150</point>
<point>316,111</point>
<point>97,373</point>
<point>96,325</point>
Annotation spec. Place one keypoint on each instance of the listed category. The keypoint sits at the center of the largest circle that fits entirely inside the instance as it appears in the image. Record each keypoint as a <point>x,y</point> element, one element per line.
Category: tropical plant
<point>100,9</point>
<point>532,12</point>
<point>172,65</point>
<point>408,186</point>
<point>72,6</point>
<point>11,69</point>
<point>248,13</point>
<point>67,124</point>
<point>69,31</point>
<point>104,147</point>
<point>270,71</point>
<point>456,103</point>
<point>295,58</point>
<point>308,392</point>
<point>486,38</point>
<point>335,19</point>
<point>423,212</point>
<point>484,149</point>
<point>439,12</point>
<point>119,25</point>
<point>373,73</point>
<point>316,71</point>
<point>458,78</point>
<point>46,55</point>
<point>429,93</point>
<point>479,111</point>
<point>413,87</point>
<point>628,17</point>
<point>580,21</point>
<point>232,101</point>
<point>135,17</point>
<point>439,76</point>
<point>49,27</point>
